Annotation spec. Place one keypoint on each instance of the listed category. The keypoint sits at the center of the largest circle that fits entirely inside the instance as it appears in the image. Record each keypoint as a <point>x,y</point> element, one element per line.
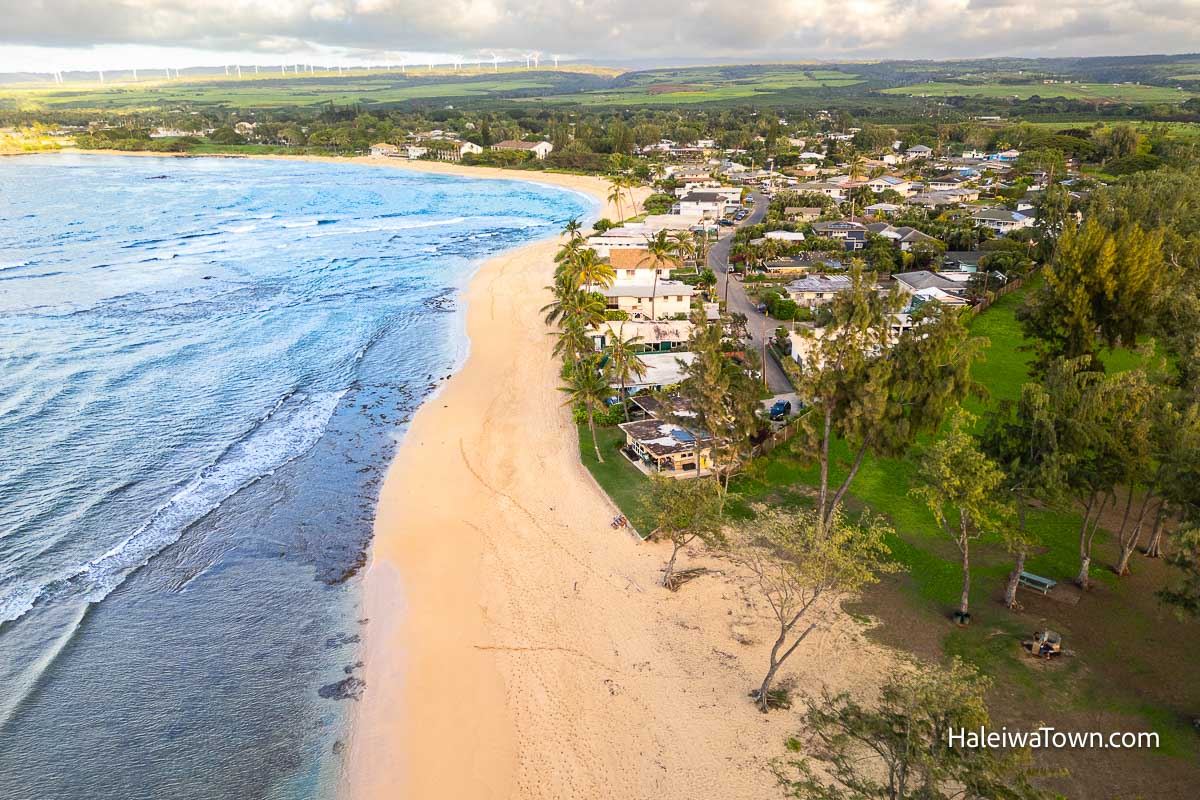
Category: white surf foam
<point>291,429</point>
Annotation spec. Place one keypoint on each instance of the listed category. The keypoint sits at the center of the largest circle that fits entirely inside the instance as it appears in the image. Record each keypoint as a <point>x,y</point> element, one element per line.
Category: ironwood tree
<point>799,563</point>
<point>900,748</point>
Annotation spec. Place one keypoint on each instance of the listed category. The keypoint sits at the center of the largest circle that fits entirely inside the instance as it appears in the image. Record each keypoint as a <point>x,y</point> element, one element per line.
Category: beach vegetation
<point>588,388</point>
<point>901,747</point>
<point>961,486</point>
<point>623,362</point>
<point>683,512</point>
<point>803,565</point>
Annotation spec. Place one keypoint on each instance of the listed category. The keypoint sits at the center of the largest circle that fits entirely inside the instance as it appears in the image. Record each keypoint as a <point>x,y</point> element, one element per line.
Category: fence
<point>993,296</point>
<point>777,437</point>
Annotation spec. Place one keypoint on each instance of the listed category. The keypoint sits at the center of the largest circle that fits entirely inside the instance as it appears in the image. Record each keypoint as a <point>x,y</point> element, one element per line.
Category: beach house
<point>655,445</point>
<point>815,290</point>
<point>538,150</point>
<point>1001,220</point>
<point>384,149</point>
<point>643,299</point>
<point>653,337</point>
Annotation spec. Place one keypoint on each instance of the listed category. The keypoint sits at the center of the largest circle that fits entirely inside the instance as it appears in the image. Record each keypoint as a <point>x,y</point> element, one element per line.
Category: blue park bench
<point>1043,585</point>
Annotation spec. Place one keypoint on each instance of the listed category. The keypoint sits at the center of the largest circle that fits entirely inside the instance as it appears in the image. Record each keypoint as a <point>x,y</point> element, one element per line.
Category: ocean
<point>205,367</point>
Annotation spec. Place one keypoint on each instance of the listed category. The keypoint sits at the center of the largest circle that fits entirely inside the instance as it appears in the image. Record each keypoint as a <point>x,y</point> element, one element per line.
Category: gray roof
<point>998,215</point>
<point>924,279</point>
<point>821,283</point>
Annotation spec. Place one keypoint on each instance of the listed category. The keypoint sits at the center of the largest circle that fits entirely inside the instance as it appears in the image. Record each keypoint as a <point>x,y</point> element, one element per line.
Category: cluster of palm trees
<point>576,311</point>
<point>621,188</point>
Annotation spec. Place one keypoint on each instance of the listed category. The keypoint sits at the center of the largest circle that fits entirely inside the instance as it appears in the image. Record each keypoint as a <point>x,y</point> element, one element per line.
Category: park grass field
<point>1100,92</point>
<point>1123,676</point>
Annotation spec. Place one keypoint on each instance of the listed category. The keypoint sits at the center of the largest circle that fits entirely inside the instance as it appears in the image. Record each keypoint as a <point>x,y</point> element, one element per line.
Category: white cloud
<point>597,29</point>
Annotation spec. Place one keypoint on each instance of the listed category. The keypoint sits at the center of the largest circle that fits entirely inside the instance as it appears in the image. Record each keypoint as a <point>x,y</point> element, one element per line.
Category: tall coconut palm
<point>660,249</point>
<point>623,361</point>
<point>614,196</point>
<point>573,229</point>
<point>587,386</point>
<point>630,184</point>
<point>573,341</point>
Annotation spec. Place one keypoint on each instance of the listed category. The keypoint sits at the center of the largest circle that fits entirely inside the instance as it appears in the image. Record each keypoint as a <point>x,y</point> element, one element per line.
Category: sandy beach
<point>518,646</point>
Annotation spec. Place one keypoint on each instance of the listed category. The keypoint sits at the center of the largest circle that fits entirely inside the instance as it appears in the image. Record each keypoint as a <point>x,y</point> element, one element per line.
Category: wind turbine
<point>556,61</point>
<point>457,63</point>
<point>536,56</point>
<point>135,73</point>
<point>168,73</point>
<point>101,73</point>
<point>495,63</point>
<point>239,71</point>
<point>256,69</point>
<point>283,70</point>
<point>527,57</point>
<point>431,65</point>
<point>403,67</point>
<point>226,70</point>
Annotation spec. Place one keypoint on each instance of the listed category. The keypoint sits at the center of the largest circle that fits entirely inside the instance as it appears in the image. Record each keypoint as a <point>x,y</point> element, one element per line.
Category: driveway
<point>735,299</point>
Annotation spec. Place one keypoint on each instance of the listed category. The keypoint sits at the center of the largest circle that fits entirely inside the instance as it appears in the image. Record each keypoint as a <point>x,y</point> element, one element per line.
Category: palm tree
<point>587,386</point>
<point>660,249</point>
<point>573,341</point>
<point>591,271</point>
<point>623,362</point>
<point>615,196</point>
<point>573,229</point>
<point>587,307</point>
<point>630,184</point>
<point>685,246</point>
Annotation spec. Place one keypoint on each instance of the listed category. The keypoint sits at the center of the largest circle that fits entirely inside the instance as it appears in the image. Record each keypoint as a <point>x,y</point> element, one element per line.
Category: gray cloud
<point>626,29</point>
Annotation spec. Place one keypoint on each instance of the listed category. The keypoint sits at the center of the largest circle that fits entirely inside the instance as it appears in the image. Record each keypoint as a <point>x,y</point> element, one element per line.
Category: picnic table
<point>1043,585</point>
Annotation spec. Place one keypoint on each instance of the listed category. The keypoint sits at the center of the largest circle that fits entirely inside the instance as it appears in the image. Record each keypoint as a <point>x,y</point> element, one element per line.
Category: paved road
<point>736,300</point>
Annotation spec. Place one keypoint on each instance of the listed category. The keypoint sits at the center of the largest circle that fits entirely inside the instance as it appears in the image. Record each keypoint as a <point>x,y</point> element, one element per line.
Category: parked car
<point>761,308</point>
<point>724,221</point>
<point>781,410</point>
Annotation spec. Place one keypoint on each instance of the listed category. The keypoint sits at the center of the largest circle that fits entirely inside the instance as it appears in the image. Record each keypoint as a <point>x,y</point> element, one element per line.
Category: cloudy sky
<point>38,35</point>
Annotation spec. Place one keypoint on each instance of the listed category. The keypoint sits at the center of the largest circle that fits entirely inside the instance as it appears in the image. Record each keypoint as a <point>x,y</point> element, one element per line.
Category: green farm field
<point>376,88</point>
<point>1103,92</point>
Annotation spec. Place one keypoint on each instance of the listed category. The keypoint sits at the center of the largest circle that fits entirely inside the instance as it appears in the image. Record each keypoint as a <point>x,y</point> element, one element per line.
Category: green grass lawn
<point>1127,645</point>
<point>620,479</point>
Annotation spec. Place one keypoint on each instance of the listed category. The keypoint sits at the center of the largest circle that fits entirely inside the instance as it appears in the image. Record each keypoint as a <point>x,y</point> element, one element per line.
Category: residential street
<point>718,262</point>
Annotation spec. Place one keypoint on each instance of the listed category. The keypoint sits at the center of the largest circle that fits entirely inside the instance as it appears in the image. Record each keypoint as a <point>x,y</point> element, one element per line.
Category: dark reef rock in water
<point>346,689</point>
<point>341,639</point>
<point>443,302</point>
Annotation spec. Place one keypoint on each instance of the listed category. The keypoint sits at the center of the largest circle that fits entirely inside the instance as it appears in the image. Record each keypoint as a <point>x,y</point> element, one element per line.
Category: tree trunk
<point>777,660</point>
<point>1130,544</point>
<point>654,298</point>
<point>1084,550</point>
<point>624,399</point>
<point>841,492</point>
<point>595,441</point>
<point>964,603</point>
<point>1154,547</point>
<point>669,569</point>
<point>824,488</point>
<point>1083,578</point>
<point>1014,580</point>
